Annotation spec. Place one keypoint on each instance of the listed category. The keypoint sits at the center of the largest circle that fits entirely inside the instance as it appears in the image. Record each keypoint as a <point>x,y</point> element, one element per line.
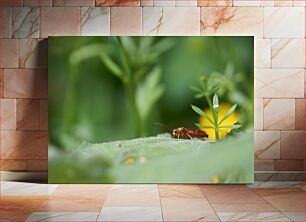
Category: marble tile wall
<point>278,27</point>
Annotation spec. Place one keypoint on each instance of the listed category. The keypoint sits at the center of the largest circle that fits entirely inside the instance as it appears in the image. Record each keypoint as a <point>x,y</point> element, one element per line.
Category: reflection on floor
<point>262,201</point>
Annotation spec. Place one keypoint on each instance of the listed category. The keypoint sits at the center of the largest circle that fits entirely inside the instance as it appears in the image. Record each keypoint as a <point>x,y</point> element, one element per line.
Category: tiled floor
<point>262,201</point>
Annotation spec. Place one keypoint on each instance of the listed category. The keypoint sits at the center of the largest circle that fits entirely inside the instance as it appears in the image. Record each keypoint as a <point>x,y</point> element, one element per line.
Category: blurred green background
<point>114,88</point>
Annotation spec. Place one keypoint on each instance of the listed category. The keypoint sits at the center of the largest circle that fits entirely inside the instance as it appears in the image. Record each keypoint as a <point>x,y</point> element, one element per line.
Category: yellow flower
<point>215,179</point>
<point>129,160</point>
<point>231,120</point>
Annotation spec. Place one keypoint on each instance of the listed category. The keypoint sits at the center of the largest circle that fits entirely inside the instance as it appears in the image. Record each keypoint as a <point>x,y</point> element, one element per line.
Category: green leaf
<point>111,65</point>
<point>149,92</point>
<point>215,102</point>
<point>204,126</point>
<point>236,126</point>
<point>201,113</point>
<point>194,88</point>
<point>228,113</point>
<point>87,52</point>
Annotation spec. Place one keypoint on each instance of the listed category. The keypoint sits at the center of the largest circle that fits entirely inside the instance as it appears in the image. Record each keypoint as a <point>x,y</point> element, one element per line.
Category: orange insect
<point>188,133</point>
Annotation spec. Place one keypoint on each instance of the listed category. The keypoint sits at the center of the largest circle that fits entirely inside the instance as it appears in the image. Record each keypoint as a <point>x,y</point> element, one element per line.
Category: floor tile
<point>288,203</point>
<point>277,184</point>
<point>95,191</point>
<point>63,216</point>
<point>296,216</point>
<point>187,209</point>
<point>268,216</point>
<point>130,214</point>
<point>14,208</point>
<point>71,204</point>
<point>10,188</point>
<point>230,194</point>
<point>190,191</point>
<point>263,207</point>
<point>133,196</point>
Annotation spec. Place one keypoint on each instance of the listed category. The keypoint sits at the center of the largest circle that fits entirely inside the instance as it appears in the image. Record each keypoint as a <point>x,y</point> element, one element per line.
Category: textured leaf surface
<point>159,159</point>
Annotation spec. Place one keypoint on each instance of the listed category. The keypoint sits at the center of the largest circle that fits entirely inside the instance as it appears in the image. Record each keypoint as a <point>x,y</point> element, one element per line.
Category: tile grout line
<point>161,208</point>
<point>209,203</point>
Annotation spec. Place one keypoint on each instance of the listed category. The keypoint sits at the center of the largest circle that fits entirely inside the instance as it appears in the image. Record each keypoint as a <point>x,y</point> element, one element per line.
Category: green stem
<point>135,113</point>
<point>130,86</point>
<point>216,112</point>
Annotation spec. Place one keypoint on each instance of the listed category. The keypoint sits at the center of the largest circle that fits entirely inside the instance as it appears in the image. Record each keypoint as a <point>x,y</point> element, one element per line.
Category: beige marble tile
<point>263,207</point>
<point>63,216</point>
<point>300,114</point>
<point>8,114</point>
<point>262,53</point>
<point>284,3</point>
<point>24,145</point>
<point>283,50</point>
<point>305,82</point>
<point>13,165</point>
<point>5,22</point>
<point>279,83</point>
<point>71,204</point>
<point>292,144</point>
<point>258,114</point>
<point>52,16</point>
<point>126,21</point>
<point>278,19</point>
<point>264,165</point>
<point>25,22</point>
<point>230,194</point>
<point>220,3</point>
<point>289,165</point>
<point>90,191</point>
<point>27,114</point>
<point>37,2</point>
<point>8,53</point>
<point>171,21</point>
<point>43,114</point>
<point>186,3</point>
<point>163,3</point>
<point>187,209</point>
<point>33,53</point>
<point>279,114</point>
<point>130,214</point>
<point>133,196</point>
<point>246,3</point>
<point>5,3</point>
<point>254,216</point>
<point>95,21</point>
<point>1,83</point>
<point>25,83</point>
<point>146,2</point>
<point>232,21</point>
<point>73,2</point>
<point>184,191</point>
<point>126,3</point>
<point>267,145</point>
<point>37,165</point>
<point>299,3</point>
<point>266,3</point>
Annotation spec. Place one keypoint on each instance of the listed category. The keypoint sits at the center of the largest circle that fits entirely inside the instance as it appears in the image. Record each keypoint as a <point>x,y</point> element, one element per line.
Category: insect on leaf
<point>201,113</point>
<point>236,126</point>
<point>228,113</point>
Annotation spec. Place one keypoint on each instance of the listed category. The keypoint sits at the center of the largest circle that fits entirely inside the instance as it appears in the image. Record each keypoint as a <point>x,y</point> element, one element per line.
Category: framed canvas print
<point>151,109</point>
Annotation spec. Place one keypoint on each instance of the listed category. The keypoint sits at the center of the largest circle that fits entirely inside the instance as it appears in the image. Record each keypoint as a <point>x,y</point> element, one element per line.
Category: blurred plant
<point>134,61</point>
<point>217,120</point>
<point>227,85</point>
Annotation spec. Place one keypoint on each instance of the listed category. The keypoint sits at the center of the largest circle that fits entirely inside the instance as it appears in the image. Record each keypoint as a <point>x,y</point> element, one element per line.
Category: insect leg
<point>190,137</point>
